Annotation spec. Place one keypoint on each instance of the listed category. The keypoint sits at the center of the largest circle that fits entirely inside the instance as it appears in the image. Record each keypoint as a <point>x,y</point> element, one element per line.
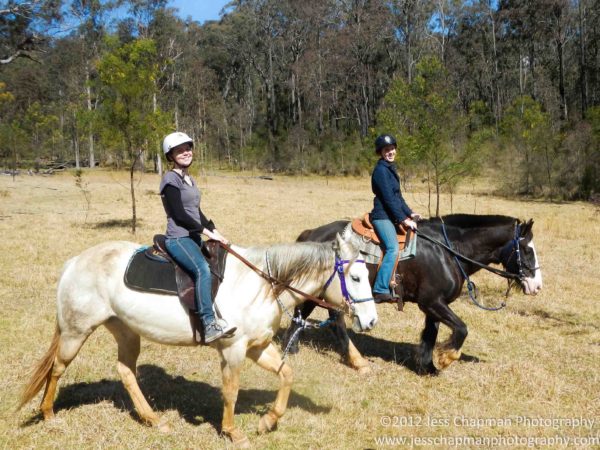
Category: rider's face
<point>182,155</point>
<point>388,153</point>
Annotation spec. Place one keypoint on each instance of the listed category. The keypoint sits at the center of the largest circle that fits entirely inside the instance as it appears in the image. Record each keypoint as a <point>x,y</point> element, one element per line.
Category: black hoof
<point>428,370</point>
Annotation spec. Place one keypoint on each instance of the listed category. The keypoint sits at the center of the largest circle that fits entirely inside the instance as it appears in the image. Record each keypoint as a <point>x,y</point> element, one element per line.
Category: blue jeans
<point>187,253</point>
<point>389,244</point>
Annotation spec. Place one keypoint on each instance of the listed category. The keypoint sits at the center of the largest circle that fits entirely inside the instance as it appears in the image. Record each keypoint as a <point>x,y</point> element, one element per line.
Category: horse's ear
<point>341,246</point>
<point>336,243</point>
<point>526,228</point>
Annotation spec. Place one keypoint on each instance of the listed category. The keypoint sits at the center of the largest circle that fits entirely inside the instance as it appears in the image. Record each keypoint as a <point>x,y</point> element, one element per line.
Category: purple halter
<point>339,269</point>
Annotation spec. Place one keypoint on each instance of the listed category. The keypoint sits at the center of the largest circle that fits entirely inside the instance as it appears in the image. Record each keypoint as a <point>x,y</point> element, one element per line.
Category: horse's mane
<point>472,220</point>
<point>295,262</point>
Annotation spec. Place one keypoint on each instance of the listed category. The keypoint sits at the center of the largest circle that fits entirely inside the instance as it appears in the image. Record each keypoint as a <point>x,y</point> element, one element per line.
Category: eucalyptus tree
<point>262,26</point>
<point>410,19</point>
<point>127,73</point>
<point>527,130</point>
<point>361,44</point>
<point>24,26</point>
<point>91,18</point>
<point>429,125</point>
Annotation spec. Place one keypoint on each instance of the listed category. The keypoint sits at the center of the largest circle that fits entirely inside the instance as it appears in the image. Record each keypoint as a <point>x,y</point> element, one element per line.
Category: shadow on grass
<point>401,353</point>
<point>114,223</point>
<point>196,401</point>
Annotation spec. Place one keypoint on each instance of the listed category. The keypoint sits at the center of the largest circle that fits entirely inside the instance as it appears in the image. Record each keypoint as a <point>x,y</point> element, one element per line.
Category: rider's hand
<point>214,234</point>
<point>416,217</point>
<point>409,223</point>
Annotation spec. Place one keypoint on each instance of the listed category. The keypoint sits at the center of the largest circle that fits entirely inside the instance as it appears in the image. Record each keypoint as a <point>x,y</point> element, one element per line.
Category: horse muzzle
<point>531,286</point>
<point>359,327</point>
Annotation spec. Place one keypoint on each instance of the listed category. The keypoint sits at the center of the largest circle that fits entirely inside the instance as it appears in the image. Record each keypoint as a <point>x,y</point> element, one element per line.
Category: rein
<point>312,298</point>
<point>502,273</point>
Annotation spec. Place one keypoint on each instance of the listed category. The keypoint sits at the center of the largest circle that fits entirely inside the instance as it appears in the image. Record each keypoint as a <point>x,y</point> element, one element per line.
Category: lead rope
<point>471,287</point>
<point>302,323</point>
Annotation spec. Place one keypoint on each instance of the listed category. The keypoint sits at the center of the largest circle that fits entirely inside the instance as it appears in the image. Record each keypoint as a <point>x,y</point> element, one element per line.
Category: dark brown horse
<point>434,278</point>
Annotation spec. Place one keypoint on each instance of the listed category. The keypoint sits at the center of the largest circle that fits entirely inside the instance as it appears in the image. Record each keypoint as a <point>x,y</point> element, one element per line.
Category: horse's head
<point>351,287</point>
<point>519,257</point>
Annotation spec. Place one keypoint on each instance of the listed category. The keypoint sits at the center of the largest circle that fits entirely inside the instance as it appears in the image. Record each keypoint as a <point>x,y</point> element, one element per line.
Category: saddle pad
<point>145,274</point>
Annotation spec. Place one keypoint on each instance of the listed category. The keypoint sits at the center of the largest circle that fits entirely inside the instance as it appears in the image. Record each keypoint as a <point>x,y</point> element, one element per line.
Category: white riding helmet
<point>174,139</point>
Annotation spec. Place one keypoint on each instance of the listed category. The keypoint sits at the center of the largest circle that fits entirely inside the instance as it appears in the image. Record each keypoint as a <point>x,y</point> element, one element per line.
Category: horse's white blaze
<point>532,286</point>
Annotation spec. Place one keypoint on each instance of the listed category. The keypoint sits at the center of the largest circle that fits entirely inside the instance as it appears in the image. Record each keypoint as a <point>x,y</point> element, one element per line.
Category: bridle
<point>338,269</point>
<point>515,249</point>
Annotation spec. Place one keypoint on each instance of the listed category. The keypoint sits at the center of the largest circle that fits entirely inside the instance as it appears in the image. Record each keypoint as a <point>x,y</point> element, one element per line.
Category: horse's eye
<point>355,278</point>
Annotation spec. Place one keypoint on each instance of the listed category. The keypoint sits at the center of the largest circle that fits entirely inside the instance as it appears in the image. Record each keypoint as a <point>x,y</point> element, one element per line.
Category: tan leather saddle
<point>364,227</point>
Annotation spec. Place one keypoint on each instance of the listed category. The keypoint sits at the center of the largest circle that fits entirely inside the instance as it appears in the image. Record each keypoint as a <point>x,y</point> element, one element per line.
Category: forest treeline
<point>509,88</point>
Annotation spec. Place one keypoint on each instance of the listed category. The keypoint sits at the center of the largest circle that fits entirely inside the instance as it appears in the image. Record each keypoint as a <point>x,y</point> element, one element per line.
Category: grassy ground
<point>531,371</point>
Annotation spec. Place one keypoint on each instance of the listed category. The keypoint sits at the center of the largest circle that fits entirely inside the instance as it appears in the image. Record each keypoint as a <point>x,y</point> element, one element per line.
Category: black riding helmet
<point>383,141</point>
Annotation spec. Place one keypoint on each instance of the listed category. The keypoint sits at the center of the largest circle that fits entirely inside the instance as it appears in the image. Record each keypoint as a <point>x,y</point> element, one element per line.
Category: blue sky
<point>199,10</point>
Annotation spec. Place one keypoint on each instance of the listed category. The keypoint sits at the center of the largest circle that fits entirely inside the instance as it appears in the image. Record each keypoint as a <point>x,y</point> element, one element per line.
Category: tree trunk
<point>88,91</point>
<point>582,71</point>
<point>132,187</point>
<point>496,78</point>
<point>558,14</point>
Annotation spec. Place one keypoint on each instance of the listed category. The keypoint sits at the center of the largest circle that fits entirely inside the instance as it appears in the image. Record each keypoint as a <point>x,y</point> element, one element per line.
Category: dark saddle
<point>151,269</point>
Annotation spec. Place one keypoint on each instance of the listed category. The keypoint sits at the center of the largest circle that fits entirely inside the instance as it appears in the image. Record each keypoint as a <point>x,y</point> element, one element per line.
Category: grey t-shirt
<point>190,197</point>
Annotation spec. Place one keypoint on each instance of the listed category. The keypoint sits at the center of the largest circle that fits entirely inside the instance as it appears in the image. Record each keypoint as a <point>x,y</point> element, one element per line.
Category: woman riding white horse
<point>91,292</point>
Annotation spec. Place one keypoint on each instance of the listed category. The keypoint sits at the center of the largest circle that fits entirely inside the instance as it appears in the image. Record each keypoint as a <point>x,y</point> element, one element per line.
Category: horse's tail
<point>40,372</point>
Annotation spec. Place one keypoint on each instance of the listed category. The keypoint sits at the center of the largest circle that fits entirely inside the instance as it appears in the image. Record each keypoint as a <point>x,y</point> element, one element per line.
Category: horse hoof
<point>238,439</point>
<point>163,426</point>
<point>448,357</point>
<point>48,415</point>
<point>267,424</point>
<point>429,370</point>
<point>364,370</point>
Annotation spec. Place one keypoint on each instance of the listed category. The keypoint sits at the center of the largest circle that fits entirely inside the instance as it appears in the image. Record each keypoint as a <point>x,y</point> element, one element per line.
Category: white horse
<point>91,292</point>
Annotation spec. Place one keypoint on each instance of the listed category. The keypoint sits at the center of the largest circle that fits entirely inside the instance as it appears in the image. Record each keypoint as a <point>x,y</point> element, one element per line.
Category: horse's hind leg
<point>270,359</point>
<point>69,344</point>
<point>128,351</point>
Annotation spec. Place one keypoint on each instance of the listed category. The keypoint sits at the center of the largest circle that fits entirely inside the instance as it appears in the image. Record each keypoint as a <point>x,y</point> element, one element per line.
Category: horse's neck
<point>482,244</point>
<point>286,298</point>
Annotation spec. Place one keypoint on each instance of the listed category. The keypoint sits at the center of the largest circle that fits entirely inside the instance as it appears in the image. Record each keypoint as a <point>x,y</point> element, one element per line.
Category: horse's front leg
<point>231,387</point>
<point>449,351</point>
<point>425,353</point>
<point>269,359</point>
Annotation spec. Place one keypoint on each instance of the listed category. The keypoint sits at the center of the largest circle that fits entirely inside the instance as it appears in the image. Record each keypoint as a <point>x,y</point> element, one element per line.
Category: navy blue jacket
<point>388,202</point>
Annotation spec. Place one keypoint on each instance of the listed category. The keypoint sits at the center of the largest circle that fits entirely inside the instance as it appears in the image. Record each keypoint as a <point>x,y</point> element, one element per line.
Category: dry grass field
<point>530,377</point>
